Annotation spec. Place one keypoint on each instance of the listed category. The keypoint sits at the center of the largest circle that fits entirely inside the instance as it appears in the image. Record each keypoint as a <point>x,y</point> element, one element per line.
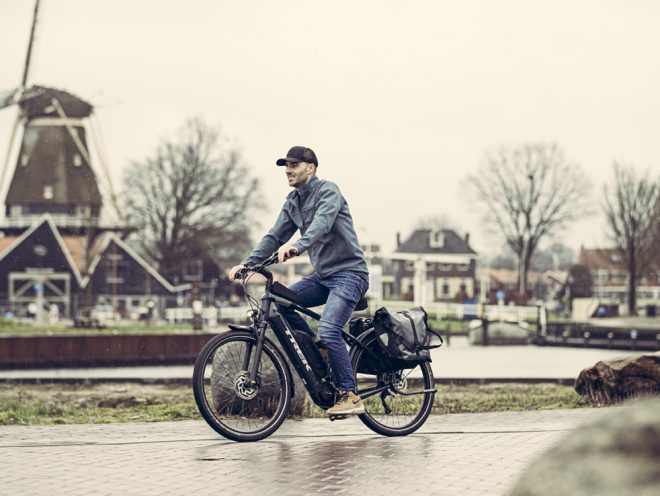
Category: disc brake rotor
<point>242,386</point>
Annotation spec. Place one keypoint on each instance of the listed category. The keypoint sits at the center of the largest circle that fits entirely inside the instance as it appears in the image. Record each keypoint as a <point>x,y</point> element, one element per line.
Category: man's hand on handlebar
<point>234,272</point>
<point>283,254</point>
<point>286,252</point>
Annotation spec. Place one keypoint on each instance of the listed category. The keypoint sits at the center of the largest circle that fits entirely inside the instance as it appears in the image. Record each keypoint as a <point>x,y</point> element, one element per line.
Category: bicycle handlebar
<point>260,268</point>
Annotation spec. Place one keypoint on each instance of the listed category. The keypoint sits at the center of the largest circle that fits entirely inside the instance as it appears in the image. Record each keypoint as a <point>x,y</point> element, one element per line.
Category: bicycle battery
<point>311,351</point>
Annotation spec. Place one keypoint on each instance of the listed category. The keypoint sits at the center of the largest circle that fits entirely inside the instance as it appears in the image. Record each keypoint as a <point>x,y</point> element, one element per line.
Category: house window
<point>117,268</point>
<point>599,276</point>
<point>77,160</point>
<point>83,211</point>
<point>463,267</point>
<point>445,267</point>
<point>463,286</point>
<point>410,266</point>
<point>437,239</point>
<point>48,192</point>
<point>429,266</point>
<point>445,287</point>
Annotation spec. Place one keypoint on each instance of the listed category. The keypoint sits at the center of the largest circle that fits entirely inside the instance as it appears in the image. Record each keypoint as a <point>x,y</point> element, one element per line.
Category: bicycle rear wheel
<point>405,396</point>
<point>224,396</point>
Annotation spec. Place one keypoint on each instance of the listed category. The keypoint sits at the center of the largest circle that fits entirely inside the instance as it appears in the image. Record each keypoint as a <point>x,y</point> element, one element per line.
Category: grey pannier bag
<point>406,335</point>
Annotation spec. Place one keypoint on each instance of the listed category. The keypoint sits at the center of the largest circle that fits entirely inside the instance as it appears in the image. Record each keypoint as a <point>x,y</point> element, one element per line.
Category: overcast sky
<point>398,99</point>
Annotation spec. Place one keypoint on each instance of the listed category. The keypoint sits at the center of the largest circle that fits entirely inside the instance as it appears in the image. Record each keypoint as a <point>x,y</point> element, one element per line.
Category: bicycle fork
<point>252,366</point>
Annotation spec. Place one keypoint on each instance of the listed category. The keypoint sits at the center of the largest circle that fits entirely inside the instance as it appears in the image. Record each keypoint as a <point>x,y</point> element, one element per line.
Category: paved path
<point>457,361</point>
<point>460,454</point>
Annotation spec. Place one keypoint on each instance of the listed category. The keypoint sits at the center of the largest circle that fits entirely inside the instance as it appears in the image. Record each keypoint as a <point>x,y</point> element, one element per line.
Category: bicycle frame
<point>321,392</point>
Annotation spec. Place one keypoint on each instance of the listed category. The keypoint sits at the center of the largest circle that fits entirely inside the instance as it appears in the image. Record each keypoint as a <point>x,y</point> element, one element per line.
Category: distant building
<point>438,263</point>
<point>544,286</point>
<point>609,276</point>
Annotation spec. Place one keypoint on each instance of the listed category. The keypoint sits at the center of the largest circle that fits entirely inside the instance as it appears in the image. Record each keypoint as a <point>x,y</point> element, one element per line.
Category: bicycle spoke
<point>231,399</point>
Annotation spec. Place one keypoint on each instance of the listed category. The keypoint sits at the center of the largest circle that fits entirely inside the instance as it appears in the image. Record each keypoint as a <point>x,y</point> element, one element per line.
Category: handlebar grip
<point>240,274</point>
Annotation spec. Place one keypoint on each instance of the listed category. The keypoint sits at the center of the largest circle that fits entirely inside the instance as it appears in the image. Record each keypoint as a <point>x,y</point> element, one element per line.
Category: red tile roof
<point>6,242</point>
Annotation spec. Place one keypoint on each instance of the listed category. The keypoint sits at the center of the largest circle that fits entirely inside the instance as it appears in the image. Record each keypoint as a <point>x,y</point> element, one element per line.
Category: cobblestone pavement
<point>459,454</point>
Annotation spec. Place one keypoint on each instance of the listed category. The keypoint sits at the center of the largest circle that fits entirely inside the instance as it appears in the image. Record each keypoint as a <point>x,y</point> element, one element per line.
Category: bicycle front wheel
<point>403,397</point>
<point>226,399</point>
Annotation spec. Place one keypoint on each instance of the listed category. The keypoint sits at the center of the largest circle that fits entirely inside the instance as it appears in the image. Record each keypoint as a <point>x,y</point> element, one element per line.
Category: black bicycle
<point>243,385</point>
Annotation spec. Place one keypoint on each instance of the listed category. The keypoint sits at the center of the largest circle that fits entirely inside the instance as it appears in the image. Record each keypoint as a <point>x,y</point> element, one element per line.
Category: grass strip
<point>48,404</point>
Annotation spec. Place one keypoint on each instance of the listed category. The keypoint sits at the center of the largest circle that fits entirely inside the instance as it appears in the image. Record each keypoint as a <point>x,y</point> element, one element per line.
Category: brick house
<point>609,275</point>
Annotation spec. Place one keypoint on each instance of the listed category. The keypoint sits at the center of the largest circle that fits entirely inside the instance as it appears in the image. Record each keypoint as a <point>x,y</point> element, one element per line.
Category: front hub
<point>242,386</point>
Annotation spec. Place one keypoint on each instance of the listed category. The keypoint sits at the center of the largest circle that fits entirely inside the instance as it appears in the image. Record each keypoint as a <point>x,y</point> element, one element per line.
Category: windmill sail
<point>7,98</point>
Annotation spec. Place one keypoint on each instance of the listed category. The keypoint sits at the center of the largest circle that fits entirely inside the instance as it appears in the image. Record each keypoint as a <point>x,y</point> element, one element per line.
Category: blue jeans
<point>340,293</point>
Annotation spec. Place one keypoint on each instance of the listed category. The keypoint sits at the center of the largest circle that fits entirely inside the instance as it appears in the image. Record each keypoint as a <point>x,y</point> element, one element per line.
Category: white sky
<point>398,99</point>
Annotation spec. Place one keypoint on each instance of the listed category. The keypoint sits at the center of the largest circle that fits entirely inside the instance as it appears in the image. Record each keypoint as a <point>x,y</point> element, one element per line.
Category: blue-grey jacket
<point>321,213</point>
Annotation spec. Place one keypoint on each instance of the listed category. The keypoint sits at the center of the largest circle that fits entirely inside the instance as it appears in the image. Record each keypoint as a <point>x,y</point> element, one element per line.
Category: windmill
<point>52,174</point>
<point>53,170</point>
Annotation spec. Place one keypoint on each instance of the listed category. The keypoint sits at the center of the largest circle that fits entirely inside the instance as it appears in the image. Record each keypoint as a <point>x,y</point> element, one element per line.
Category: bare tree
<point>527,193</point>
<point>631,209</point>
<point>656,229</point>
<point>191,201</point>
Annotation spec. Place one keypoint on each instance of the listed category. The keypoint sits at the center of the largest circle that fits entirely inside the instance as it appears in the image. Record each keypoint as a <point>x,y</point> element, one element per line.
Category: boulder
<point>622,377</point>
<point>616,455</point>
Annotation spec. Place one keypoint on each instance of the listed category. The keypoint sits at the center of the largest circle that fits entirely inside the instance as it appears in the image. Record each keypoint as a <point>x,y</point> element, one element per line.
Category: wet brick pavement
<point>459,454</point>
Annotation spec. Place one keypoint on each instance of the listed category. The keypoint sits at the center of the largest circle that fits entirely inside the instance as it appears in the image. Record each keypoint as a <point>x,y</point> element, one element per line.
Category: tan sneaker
<point>348,403</point>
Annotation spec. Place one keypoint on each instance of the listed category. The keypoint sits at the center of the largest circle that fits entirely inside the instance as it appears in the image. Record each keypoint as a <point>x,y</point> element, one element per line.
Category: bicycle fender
<point>235,327</point>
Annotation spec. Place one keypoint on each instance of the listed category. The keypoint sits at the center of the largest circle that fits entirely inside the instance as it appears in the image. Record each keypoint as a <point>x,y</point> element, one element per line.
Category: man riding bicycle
<point>317,208</point>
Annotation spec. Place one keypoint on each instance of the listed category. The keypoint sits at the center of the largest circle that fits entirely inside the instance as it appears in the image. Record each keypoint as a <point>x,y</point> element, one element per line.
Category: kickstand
<point>387,409</point>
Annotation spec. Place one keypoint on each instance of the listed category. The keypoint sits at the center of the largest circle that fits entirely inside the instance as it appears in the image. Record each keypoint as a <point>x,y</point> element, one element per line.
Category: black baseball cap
<point>299,154</point>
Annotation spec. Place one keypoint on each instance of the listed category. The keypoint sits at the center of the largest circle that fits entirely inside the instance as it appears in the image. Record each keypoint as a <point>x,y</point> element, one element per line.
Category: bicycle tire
<point>406,413</point>
<point>224,400</point>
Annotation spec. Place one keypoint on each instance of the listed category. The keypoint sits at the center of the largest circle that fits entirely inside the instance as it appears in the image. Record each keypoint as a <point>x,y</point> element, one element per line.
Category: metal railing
<point>62,220</point>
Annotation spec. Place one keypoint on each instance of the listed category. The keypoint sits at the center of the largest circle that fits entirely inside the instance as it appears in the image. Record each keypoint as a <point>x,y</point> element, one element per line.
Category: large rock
<point>618,378</point>
<point>616,455</point>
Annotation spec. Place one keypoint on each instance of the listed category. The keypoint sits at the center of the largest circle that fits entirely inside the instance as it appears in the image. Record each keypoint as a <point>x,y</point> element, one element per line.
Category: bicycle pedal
<point>338,417</point>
